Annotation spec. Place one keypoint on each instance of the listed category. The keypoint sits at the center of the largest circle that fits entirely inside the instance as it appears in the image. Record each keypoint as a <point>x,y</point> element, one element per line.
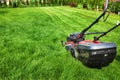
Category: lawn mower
<point>92,53</point>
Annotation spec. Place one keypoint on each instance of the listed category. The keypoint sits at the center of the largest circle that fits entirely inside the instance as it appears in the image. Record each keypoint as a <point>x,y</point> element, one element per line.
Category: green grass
<point>30,47</point>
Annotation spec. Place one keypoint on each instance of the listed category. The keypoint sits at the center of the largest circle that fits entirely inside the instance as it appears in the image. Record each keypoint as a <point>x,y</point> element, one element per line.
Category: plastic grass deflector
<point>92,53</point>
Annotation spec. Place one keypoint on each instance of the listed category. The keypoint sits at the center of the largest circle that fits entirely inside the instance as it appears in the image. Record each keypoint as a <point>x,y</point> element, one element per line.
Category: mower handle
<point>88,33</point>
<point>104,19</point>
<point>83,32</point>
<point>97,38</point>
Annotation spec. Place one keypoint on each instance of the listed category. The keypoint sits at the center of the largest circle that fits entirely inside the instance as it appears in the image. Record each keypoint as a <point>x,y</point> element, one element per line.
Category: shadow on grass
<point>3,12</point>
<point>117,57</point>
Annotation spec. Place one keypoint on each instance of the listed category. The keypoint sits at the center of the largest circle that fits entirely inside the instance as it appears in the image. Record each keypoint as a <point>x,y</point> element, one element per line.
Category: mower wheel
<point>72,51</point>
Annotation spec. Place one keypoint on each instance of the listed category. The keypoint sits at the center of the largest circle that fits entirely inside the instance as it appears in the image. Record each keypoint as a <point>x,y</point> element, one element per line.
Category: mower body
<point>94,54</point>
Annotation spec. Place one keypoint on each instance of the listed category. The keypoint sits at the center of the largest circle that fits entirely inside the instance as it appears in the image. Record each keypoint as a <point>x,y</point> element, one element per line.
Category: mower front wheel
<point>74,53</point>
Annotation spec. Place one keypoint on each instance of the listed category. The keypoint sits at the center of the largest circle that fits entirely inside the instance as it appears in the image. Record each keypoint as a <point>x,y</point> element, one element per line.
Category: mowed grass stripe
<point>79,18</point>
<point>68,18</point>
<point>67,28</point>
<point>82,14</point>
<point>54,19</point>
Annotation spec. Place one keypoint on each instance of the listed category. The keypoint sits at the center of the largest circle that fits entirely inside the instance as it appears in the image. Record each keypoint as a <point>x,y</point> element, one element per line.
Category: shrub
<point>85,6</point>
<point>116,7</point>
<point>73,4</point>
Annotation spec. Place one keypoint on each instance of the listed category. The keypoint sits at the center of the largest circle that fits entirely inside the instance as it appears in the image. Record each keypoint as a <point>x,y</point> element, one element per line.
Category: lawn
<point>30,47</point>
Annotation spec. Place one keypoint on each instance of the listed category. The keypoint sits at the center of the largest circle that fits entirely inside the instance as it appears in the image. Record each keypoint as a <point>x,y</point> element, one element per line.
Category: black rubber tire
<point>72,51</point>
